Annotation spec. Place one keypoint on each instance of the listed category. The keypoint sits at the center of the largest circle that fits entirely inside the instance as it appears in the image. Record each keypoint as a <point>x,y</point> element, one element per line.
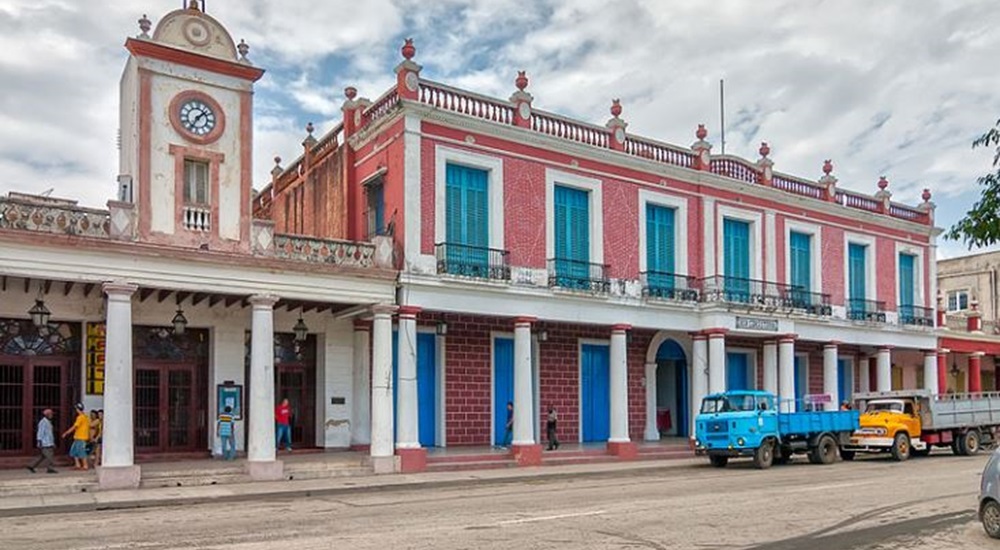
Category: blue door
<point>467,227</point>
<point>572,235</point>
<point>845,380</point>
<point>660,250</point>
<point>503,385</point>
<point>736,259</point>
<point>800,268</point>
<point>907,288</point>
<point>737,371</point>
<point>670,350</point>
<point>801,382</point>
<point>426,386</point>
<point>856,281</point>
<point>595,405</point>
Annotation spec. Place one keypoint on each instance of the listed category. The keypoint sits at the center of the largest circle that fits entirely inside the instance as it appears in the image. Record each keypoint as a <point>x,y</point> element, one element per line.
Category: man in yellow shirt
<point>81,434</point>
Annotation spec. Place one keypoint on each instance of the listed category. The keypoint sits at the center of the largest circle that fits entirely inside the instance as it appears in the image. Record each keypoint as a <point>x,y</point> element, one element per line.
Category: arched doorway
<point>672,382</point>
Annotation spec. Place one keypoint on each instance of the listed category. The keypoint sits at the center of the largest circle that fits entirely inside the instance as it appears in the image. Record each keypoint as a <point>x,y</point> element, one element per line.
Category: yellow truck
<point>912,422</point>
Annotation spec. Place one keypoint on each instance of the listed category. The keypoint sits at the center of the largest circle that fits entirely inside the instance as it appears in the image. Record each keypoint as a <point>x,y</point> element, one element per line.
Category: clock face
<point>197,117</point>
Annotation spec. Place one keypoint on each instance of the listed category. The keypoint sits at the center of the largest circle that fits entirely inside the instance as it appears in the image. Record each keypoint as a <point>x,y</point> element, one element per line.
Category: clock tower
<point>186,132</point>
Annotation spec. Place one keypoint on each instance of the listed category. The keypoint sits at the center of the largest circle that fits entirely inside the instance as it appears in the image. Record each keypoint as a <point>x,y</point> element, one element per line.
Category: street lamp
<point>38,312</point>
<point>301,330</point>
<point>180,322</point>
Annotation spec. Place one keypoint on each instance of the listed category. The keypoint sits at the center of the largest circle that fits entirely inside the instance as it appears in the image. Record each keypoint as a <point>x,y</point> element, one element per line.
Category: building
<point>174,301</point>
<point>550,262</point>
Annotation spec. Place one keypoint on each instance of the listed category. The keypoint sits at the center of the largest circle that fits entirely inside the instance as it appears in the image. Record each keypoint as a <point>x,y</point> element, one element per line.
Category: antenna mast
<point>722,112</point>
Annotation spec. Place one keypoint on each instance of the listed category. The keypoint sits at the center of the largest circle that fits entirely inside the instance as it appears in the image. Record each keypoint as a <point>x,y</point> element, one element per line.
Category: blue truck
<point>748,423</point>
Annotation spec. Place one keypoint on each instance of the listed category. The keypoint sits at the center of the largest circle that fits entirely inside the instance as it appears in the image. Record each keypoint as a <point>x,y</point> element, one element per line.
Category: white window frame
<point>680,208</point>
<point>580,342</point>
<point>596,207</point>
<point>443,156</point>
<point>958,303</point>
<point>871,290</point>
<point>756,221</point>
<point>918,273</point>
<point>191,187</point>
<point>815,252</point>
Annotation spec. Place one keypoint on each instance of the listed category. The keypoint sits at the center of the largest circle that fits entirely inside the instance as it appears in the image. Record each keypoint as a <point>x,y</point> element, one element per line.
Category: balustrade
<point>197,218</point>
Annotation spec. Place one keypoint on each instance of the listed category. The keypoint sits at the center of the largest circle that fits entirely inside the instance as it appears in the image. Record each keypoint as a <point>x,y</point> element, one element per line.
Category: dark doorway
<point>296,382</point>
<point>167,414</point>
<point>29,385</point>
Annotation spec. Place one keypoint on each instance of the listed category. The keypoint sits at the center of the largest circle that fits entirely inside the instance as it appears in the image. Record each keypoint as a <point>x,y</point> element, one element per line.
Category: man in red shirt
<point>283,421</point>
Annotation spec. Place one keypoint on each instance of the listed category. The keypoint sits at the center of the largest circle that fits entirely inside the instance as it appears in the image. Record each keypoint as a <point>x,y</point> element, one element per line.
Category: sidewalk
<point>153,497</point>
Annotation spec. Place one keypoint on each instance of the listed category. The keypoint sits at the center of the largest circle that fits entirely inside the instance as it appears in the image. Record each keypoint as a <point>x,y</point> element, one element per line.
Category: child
<point>226,434</point>
<point>550,429</point>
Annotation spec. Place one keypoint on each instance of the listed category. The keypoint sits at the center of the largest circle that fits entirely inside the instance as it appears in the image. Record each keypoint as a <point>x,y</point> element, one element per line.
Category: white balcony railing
<point>197,218</point>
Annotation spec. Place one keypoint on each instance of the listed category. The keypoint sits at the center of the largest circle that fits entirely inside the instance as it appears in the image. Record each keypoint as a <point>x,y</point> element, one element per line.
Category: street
<point>872,503</point>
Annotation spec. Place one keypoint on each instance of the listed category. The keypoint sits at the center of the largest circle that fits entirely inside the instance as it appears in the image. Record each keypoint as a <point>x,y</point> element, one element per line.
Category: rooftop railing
<point>61,217</point>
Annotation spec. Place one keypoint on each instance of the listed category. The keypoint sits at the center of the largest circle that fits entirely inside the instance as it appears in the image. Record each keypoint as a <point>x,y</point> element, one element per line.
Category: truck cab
<point>888,424</point>
<point>735,423</point>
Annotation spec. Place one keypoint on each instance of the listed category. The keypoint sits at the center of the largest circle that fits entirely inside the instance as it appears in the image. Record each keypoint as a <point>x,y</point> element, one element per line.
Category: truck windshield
<point>888,406</point>
<point>728,403</point>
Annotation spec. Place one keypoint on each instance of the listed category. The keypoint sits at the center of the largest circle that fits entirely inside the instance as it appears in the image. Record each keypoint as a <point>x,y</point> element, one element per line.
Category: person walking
<point>226,434</point>
<point>509,428</point>
<point>550,429</point>
<point>46,443</point>
<point>96,434</point>
<point>283,421</point>
<point>81,434</point>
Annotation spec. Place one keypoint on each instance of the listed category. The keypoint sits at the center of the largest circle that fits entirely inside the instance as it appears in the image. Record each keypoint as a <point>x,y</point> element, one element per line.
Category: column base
<point>528,454</point>
<point>384,464</point>
<point>624,450</point>
<point>361,447</point>
<point>110,478</point>
<point>651,435</point>
<point>268,470</point>
<point>412,460</point>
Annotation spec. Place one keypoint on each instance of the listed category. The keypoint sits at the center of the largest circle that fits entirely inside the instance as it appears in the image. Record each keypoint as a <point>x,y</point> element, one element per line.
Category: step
<point>468,457</point>
<point>674,455</point>
<point>188,480</point>
<point>344,471</point>
<point>574,454</point>
<point>570,460</point>
<point>51,484</point>
<point>470,465</point>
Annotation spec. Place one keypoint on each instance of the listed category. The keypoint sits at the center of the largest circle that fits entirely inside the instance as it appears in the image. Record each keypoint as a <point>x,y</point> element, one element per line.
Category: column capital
<point>525,320</point>
<point>715,332</point>
<point>121,289</point>
<point>409,311</point>
<point>977,354</point>
<point>943,351</point>
<point>770,342</point>
<point>263,301</point>
<point>383,310</point>
<point>362,325</point>
<point>930,353</point>
<point>698,336</point>
<point>787,338</point>
<point>885,349</point>
<point>831,344</point>
<point>621,327</point>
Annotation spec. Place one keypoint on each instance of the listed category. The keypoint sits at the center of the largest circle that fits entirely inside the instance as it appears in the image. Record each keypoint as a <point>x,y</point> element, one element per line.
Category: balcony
<point>865,310</point>
<point>670,286</point>
<point>473,261</point>
<point>576,275</point>
<point>916,315</point>
<point>764,295</point>
<point>197,218</point>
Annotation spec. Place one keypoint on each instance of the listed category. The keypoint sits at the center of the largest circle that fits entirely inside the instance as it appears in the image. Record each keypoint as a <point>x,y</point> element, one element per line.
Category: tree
<point>981,225</point>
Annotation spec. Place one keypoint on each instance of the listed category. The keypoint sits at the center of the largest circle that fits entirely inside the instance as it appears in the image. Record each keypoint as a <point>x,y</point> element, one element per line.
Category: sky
<point>897,87</point>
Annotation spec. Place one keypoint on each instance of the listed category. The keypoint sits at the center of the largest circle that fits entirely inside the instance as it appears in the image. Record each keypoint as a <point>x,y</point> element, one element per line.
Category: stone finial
<point>883,183</point>
<point>277,170</point>
<point>310,140</point>
<point>701,133</point>
<point>702,149</point>
<point>309,128</point>
<point>926,195</point>
<point>765,172</point>
<point>408,50</point>
<point>827,166</point>
<point>521,81</point>
<point>145,25</point>
<point>829,182</point>
<point>243,48</point>
<point>764,150</point>
<point>194,5</point>
<point>350,93</point>
<point>616,108</point>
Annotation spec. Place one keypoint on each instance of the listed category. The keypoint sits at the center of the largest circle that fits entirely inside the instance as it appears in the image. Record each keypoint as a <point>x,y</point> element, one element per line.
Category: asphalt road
<point>872,503</point>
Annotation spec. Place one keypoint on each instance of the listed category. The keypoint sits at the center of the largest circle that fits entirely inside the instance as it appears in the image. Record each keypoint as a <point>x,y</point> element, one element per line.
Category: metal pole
<point>722,112</point>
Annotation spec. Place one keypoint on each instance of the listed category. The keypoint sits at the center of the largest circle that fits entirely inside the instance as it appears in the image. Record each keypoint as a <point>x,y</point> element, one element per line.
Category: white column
<point>382,424</point>
<point>651,433</point>
<point>361,391</point>
<point>260,447</point>
<point>717,362</point>
<point>771,367</point>
<point>407,415</point>
<point>864,374</point>
<point>830,376</point>
<point>699,376</point>
<point>884,373</point>
<point>786,373</point>
<point>118,407</point>
<point>931,371</point>
<point>619,385</point>
<point>524,414</point>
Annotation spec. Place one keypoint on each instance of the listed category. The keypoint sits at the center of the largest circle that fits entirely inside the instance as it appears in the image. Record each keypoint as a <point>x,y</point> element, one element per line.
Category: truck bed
<point>961,410</point>
<point>808,423</point>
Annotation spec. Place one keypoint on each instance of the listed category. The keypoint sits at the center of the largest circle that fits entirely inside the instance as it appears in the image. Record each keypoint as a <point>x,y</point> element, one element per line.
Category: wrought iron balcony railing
<point>576,275</point>
<point>865,310</point>
<point>473,261</point>
<point>916,315</point>
<point>670,286</point>
<point>766,295</point>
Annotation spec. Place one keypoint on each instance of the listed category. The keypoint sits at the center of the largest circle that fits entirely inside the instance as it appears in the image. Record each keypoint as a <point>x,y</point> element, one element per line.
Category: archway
<point>668,387</point>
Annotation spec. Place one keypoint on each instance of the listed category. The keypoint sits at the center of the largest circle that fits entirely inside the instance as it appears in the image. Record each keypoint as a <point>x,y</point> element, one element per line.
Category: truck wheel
<point>847,455</point>
<point>901,447</point>
<point>991,518</point>
<point>763,457</point>
<point>825,451</point>
<point>782,455</point>
<point>718,461</point>
<point>955,448</point>
<point>968,445</point>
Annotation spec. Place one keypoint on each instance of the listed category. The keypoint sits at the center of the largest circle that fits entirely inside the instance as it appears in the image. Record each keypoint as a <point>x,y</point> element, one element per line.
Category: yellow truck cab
<point>914,421</point>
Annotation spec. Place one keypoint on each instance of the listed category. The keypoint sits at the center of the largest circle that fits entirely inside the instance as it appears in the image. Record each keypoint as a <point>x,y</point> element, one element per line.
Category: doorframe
<point>494,335</point>
<point>438,381</point>
<point>580,342</point>
<point>849,369</point>
<point>161,366</point>
<point>64,410</point>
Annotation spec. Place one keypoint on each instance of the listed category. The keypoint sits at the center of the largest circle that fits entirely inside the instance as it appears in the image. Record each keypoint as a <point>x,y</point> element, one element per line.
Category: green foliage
<point>981,225</point>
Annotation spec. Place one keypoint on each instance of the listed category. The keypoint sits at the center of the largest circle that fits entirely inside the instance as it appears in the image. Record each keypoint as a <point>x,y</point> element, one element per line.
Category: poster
<point>96,344</point>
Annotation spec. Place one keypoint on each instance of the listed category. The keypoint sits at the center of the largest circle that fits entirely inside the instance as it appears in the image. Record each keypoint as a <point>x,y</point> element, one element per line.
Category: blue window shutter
<point>467,208</point>
<point>736,259</point>
<point>659,239</point>
<point>856,271</point>
<point>572,234</point>
<point>907,288</point>
<point>800,268</point>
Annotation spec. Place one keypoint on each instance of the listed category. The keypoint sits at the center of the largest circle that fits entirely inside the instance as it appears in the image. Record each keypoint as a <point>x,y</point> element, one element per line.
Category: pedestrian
<point>96,433</point>
<point>226,434</point>
<point>550,429</point>
<point>46,443</point>
<point>81,434</point>
<point>283,421</point>
<point>509,428</point>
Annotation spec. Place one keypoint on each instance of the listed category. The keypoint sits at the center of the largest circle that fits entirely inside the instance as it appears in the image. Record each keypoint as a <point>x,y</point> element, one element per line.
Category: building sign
<point>756,323</point>
<point>96,343</point>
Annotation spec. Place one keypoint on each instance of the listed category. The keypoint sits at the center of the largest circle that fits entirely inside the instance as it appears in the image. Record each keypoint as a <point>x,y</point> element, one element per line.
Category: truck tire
<point>901,447</point>
<point>955,447</point>
<point>825,451</point>
<point>968,445</point>
<point>847,455</point>
<point>718,461</point>
<point>782,455</point>
<point>763,457</point>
